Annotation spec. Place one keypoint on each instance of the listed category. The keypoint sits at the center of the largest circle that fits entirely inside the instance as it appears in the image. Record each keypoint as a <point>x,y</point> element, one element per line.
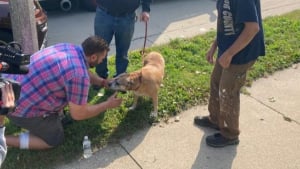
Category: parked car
<point>69,5</point>
<point>6,33</point>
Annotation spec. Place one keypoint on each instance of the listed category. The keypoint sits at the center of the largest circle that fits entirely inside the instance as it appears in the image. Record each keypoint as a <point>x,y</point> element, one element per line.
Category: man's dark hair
<point>93,45</point>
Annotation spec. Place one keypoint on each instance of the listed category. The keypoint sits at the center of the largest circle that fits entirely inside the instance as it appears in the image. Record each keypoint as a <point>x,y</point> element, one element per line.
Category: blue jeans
<point>122,28</point>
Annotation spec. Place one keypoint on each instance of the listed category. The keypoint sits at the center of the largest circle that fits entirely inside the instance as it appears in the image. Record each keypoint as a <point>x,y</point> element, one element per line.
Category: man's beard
<point>92,64</point>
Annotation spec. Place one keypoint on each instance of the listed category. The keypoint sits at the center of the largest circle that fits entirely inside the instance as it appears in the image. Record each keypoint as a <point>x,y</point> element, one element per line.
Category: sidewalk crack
<point>286,118</point>
<point>137,163</point>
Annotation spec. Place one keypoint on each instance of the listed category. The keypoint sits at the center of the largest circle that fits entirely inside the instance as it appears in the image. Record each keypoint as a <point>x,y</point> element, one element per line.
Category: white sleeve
<point>3,146</point>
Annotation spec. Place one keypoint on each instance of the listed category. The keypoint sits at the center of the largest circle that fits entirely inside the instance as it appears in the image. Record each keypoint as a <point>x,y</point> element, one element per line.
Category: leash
<point>145,39</point>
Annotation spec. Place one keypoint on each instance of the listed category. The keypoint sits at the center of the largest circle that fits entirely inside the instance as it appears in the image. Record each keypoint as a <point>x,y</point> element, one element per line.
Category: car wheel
<point>90,5</point>
<point>68,5</point>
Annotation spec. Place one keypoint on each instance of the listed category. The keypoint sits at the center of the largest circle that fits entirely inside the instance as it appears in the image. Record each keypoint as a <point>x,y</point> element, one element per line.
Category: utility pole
<point>24,24</point>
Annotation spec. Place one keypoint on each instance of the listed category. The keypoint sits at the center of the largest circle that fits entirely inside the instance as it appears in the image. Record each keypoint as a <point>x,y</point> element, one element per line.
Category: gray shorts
<point>48,128</point>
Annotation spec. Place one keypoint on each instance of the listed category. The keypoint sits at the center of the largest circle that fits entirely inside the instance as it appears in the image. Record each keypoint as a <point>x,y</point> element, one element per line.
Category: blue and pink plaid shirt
<point>57,75</point>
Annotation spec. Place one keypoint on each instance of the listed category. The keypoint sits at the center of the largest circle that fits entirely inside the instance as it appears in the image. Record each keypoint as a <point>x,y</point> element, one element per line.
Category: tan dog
<point>143,82</point>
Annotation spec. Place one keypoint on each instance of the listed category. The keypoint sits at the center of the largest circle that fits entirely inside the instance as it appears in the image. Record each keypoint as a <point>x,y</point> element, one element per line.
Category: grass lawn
<point>186,84</point>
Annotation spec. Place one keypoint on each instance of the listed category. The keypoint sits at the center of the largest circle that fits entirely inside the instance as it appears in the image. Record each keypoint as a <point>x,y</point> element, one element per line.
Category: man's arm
<point>96,80</point>
<point>145,15</point>
<point>146,5</point>
<point>249,32</point>
<point>82,112</point>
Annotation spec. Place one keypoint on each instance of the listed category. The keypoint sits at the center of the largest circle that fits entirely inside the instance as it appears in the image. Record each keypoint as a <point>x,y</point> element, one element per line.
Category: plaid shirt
<point>57,75</point>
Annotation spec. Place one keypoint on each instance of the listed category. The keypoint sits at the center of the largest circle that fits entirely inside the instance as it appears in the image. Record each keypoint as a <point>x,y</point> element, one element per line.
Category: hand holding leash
<point>144,16</point>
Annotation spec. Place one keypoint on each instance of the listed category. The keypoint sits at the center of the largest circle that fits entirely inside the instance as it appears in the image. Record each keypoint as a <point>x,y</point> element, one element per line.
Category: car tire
<point>89,5</point>
<point>68,5</point>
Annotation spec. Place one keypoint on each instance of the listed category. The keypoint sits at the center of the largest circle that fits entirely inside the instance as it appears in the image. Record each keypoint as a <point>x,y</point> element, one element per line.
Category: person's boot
<point>217,140</point>
<point>205,122</point>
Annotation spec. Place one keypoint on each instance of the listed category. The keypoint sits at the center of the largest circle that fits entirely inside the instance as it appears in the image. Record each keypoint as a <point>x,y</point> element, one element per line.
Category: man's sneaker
<point>205,122</point>
<point>217,140</point>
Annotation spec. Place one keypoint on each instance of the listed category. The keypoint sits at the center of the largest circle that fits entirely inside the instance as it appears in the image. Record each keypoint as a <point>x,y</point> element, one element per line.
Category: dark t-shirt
<point>232,14</point>
<point>123,6</point>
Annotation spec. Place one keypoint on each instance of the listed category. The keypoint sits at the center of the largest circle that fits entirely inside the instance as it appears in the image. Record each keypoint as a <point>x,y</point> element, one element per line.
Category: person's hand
<point>145,16</point>
<point>8,96</point>
<point>113,101</point>
<point>211,52</point>
<point>210,56</point>
<point>225,60</point>
<point>104,83</point>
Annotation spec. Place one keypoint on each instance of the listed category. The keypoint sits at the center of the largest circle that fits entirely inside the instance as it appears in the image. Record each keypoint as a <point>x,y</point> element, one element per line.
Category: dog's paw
<point>153,119</point>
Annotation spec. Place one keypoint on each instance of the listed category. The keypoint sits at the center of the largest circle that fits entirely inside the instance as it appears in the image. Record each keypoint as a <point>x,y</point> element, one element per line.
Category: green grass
<point>186,84</point>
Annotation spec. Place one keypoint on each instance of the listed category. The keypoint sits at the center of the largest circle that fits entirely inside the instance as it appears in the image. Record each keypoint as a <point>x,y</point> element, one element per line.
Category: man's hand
<point>104,83</point>
<point>210,57</point>
<point>144,16</point>
<point>8,96</point>
<point>211,52</point>
<point>225,60</point>
<point>113,101</point>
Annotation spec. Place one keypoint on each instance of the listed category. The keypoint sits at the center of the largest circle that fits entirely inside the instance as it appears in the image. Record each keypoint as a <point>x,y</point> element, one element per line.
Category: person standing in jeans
<point>240,41</point>
<point>117,18</point>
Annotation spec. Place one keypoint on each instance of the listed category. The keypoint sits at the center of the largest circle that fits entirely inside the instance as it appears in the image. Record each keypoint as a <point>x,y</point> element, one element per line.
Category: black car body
<point>68,5</point>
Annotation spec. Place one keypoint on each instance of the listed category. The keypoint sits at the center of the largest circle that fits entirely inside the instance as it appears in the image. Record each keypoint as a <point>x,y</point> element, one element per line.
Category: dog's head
<point>126,81</point>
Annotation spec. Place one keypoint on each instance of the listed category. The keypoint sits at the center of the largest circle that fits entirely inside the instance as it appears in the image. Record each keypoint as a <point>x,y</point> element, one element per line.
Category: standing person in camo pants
<point>240,41</point>
<point>117,18</point>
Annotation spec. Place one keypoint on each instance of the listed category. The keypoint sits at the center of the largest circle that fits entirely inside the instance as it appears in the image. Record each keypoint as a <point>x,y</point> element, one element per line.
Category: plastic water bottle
<point>87,148</point>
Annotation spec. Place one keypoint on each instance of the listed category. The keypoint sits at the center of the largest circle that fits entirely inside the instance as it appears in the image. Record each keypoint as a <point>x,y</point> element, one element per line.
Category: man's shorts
<point>49,128</point>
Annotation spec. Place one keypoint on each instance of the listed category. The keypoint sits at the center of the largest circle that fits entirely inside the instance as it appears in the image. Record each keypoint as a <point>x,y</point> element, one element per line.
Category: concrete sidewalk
<point>269,121</point>
<point>170,19</point>
<point>270,137</point>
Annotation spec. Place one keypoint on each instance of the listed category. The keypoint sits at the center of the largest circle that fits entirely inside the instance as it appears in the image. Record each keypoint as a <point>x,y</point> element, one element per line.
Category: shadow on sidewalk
<point>217,158</point>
